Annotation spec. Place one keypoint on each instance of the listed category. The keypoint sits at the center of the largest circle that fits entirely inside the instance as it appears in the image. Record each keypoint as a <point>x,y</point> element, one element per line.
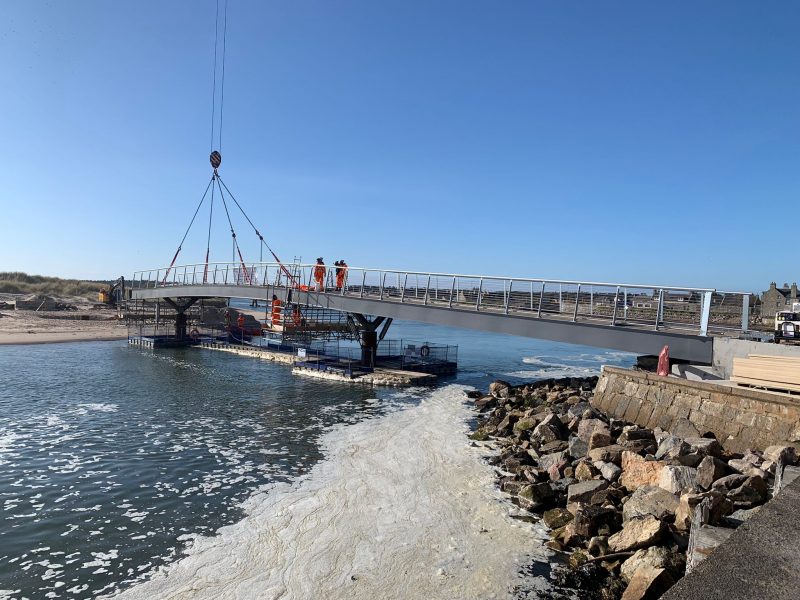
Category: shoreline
<point>618,500</point>
<point>24,339</point>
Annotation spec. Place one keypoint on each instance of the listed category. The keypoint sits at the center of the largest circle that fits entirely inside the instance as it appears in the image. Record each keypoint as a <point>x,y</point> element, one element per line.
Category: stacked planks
<point>760,370</point>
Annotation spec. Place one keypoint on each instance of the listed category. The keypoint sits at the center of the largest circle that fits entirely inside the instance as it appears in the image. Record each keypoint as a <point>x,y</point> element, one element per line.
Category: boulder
<point>585,524</point>
<point>656,557</point>
<point>611,453</point>
<point>637,533</point>
<point>577,410</point>
<point>556,471</point>
<point>525,424</point>
<point>693,459</point>
<point>507,423</point>
<point>545,433</point>
<point>535,496</point>
<point>773,452</point>
<point>585,471</point>
<point>636,471</point>
<point>608,470</point>
<point>648,584</point>
<point>728,483</point>
<point>684,428</point>
<point>633,433</point>
<point>720,507</point>
<point>676,479</point>
<point>672,447</point>
<point>584,490</point>
<point>705,446</point>
<point>709,470</point>
<point>500,389</point>
<point>577,447</point>
<point>548,460</point>
<point>600,440</point>
<point>588,427</point>
<point>752,492</point>
<point>554,446</point>
<point>557,517</point>
<point>650,500</point>
<point>485,403</point>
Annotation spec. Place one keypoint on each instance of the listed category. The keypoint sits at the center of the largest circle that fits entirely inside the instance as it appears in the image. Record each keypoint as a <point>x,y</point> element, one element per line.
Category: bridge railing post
<point>705,315</point>
<point>541,298</point>
<point>452,289</point>
<point>508,297</point>
<point>745,312</point>
<point>616,303</point>
<point>577,300</point>
<point>480,290</point>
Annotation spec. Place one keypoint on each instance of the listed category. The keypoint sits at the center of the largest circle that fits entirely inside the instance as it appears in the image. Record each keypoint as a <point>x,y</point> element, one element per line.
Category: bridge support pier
<point>369,338</point>
<point>180,318</point>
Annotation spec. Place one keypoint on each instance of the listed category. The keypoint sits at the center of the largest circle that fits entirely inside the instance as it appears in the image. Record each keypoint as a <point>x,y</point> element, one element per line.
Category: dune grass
<point>15,282</point>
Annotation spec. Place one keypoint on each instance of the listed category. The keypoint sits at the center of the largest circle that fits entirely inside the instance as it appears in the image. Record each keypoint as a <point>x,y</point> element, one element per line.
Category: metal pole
<point>658,307</point>
<point>625,308</point>
<point>704,317</point>
<point>541,297</point>
<point>531,296</point>
<point>452,288</point>
<point>560,305</point>
<point>383,283</point>
<point>508,298</point>
<point>478,301</point>
<point>745,312</point>
<point>427,288</point>
<point>616,302</point>
<point>363,281</point>
<point>577,299</point>
<point>591,300</point>
<point>403,292</point>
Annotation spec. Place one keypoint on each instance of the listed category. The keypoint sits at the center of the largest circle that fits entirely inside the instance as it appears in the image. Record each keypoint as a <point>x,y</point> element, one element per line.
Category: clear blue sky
<point>607,141</point>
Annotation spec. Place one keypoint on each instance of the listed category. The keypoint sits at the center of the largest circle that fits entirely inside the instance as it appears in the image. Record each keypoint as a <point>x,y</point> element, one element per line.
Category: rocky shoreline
<point>618,499</point>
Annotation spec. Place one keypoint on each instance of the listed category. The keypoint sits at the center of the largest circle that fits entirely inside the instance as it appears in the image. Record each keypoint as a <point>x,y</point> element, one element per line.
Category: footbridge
<point>636,318</point>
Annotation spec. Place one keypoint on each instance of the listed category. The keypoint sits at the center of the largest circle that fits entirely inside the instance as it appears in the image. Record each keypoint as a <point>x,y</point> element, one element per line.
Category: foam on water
<point>401,507</point>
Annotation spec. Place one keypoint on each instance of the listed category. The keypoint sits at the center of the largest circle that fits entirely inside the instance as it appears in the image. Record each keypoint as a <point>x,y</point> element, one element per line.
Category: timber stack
<point>619,499</point>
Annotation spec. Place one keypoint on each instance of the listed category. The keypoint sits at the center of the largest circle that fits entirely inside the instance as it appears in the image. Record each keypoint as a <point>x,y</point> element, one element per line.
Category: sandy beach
<point>29,327</point>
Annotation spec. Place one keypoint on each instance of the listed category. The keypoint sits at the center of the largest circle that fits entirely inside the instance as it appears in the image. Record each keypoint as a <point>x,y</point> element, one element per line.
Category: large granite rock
<point>557,517</point>
<point>650,500</point>
<point>676,479</point>
<point>637,533</point>
<point>656,557</point>
<point>611,453</point>
<point>684,428</point>
<point>536,496</point>
<point>584,490</point>
<point>587,427</point>
<point>500,389</point>
<point>672,447</point>
<point>710,470</point>
<point>648,584</point>
<point>577,447</point>
<point>636,471</point>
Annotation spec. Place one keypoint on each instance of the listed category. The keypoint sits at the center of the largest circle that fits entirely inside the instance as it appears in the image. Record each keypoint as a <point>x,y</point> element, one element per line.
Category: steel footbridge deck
<point>630,317</point>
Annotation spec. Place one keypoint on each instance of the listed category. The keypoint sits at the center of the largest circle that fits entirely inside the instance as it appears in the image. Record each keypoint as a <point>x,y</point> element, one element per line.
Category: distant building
<point>776,299</point>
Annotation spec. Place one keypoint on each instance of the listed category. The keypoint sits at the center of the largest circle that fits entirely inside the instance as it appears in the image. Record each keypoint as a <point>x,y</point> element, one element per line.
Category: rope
<point>233,233</point>
<point>260,237</point>
<point>222,99</point>
<point>214,88</point>
<point>180,246</point>
<point>208,244</point>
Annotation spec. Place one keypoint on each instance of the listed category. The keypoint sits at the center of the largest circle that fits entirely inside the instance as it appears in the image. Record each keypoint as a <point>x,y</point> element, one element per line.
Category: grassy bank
<point>15,282</point>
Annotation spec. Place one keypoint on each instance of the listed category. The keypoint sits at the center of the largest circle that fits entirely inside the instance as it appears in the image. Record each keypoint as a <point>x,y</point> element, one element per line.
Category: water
<point>114,459</point>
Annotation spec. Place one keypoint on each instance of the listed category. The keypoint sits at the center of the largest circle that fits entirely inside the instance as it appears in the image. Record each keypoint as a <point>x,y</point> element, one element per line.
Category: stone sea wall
<point>740,418</point>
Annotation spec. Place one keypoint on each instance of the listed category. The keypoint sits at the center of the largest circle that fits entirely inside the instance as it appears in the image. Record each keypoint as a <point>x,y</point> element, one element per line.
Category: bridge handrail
<point>653,306</point>
<point>433,274</point>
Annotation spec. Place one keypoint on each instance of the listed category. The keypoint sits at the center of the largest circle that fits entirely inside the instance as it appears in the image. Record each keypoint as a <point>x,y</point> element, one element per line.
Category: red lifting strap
<point>164,281</point>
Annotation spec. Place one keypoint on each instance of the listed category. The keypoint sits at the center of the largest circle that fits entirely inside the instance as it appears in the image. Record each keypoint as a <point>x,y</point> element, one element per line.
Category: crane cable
<point>180,246</point>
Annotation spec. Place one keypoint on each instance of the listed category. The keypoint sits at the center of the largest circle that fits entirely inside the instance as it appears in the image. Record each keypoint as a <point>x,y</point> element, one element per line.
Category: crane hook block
<point>216,159</point>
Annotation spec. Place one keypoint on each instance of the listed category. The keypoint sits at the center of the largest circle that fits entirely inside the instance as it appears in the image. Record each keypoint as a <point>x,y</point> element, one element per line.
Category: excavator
<point>113,295</point>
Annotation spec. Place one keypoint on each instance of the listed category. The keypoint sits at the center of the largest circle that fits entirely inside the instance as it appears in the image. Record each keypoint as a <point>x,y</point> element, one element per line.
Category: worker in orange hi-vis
<point>663,362</point>
<point>340,274</point>
<point>276,310</point>
<point>319,275</point>
<point>240,321</point>
<point>297,316</point>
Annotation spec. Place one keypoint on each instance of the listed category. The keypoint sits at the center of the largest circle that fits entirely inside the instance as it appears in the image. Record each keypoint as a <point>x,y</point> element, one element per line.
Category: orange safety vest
<point>297,317</point>
<point>340,275</point>
<point>319,272</point>
<point>240,320</point>
<point>276,312</point>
